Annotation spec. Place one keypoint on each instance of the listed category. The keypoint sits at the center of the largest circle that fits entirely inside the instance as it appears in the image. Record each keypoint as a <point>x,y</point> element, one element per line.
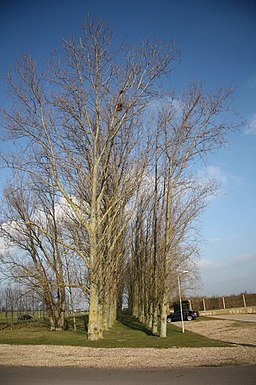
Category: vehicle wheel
<point>169,320</point>
<point>189,318</point>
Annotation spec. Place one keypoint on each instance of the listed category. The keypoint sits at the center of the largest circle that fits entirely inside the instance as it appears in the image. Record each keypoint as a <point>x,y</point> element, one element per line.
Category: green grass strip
<point>126,333</point>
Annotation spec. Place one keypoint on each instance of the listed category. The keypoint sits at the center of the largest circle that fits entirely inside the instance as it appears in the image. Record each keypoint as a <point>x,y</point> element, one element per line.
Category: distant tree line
<point>105,194</point>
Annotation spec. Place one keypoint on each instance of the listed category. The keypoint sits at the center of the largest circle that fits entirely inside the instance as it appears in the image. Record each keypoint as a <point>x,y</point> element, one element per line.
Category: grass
<point>127,332</point>
<point>12,317</point>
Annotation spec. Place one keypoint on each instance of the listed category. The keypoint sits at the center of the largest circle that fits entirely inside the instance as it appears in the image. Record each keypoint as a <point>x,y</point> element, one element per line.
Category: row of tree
<point>14,300</point>
<point>105,195</point>
<point>17,300</point>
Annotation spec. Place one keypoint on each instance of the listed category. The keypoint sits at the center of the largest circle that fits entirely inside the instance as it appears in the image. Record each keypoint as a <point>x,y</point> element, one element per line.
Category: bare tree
<point>188,127</point>
<point>91,113</point>
<point>84,142</point>
<point>33,233</point>
<point>189,134</point>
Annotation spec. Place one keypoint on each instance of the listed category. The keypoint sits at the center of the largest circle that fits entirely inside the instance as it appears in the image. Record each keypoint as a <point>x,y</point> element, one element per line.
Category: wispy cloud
<point>211,173</point>
<point>216,173</point>
<point>245,257</point>
<point>251,127</point>
<point>225,239</point>
<point>4,247</point>
<point>220,177</point>
<point>207,264</point>
<point>215,239</point>
<point>252,82</point>
<point>232,262</point>
<point>238,180</point>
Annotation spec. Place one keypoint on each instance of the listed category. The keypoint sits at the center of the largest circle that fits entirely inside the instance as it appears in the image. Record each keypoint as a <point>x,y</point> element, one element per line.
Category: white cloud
<point>4,248</point>
<point>245,257</point>
<point>229,263</point>
<point>215,172</point>
<point>225,239</point>
<point>215,239</point>
<point>206,264</point>
<point>238,180</point>
<point>251,127</point>
<point>252,82</point>
<point>228,275</point>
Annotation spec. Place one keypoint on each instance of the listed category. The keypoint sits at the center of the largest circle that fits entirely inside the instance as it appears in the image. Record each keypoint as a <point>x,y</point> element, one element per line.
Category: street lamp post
<point>181,309</point>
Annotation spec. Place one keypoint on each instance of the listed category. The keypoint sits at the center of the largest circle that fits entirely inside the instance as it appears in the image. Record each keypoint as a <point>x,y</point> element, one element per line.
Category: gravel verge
<point>124,358</point>
<point>235,332</point>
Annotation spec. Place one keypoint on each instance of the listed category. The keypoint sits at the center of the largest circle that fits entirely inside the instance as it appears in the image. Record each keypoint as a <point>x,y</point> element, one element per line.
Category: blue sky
<point>217,40</point>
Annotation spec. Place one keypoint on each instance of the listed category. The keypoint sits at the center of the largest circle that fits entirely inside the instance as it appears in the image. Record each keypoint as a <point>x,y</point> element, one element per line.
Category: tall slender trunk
<point>93,326</point>
<point>93,333</point>
<point>155,319</point>
<point>166,256</point>
<point>60,324</point>
<point>100,319</point>
<point>163,327</point>
<point>155,250</point>
<point>72,308</point>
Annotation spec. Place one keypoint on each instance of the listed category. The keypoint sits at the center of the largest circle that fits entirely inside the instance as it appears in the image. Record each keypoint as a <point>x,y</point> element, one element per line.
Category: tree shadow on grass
<point>134,323</point>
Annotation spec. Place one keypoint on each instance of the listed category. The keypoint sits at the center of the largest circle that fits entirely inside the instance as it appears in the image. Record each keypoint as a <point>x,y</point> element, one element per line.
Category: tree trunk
<point>155,321</point>
<point>163,327</point>
<point>93,333</point>
<point>100,320</point>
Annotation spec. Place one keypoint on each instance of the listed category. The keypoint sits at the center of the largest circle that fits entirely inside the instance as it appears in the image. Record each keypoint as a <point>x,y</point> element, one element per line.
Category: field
<point>12,317</point>
<point>127,332</point>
